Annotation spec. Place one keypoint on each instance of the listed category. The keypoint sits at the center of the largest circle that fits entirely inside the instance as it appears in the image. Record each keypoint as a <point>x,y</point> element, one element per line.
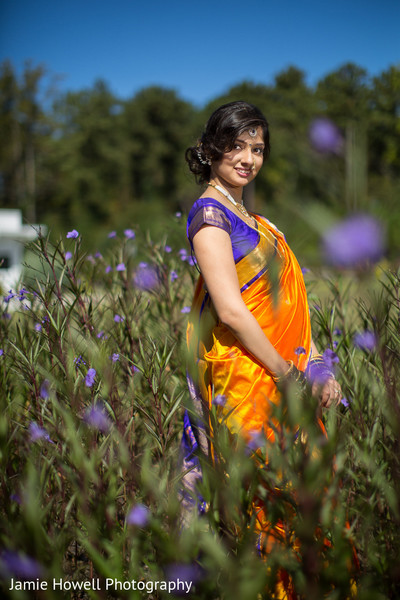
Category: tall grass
<point>92,395</point>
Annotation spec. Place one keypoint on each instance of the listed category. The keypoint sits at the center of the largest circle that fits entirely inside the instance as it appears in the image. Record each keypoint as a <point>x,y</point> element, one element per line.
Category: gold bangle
<point>280,378</point>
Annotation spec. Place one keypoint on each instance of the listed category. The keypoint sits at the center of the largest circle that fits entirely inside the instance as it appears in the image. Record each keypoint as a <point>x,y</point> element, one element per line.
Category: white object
<point>13,237</point>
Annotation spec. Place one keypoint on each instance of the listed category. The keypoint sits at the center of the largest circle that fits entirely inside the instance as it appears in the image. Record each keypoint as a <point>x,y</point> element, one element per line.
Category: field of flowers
<point>92,363</point>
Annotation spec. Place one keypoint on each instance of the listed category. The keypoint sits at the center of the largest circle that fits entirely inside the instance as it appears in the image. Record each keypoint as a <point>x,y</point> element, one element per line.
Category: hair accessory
<point>204,161</point>
<point>227,195</point>
<point>252,132</point>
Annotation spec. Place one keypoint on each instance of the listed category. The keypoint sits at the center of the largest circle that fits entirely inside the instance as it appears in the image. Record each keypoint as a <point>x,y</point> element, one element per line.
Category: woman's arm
<point>213,250</point>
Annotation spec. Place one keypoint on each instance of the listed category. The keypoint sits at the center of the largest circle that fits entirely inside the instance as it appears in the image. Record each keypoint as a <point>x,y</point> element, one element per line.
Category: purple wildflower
<point>112,234</point>
<point>120,267</point>
<point>10,296</point>
<point>118,318</point>
<point>96,417</point>
<point>320,370</point>
<point>100,335</point>
<point>146,277</point>
<point>219,400</point>
<point>68,255</point>
<point>90,377</point>
<point>184,574</point>
<point>108,269</point>
<point>135,369</point>
<point>183,254</point>
<point>256,440</point>
<point>178,215</point>
<point>38,433</point>
<point>357,240</point>
<point>168,249</point>
<point>98,255</point>
<point>185,309</point>
<point>16,498</point>
<point>73,234</point>
<point>44,389</point>
<point>305,270</point>
<point>366,340</point>
<point>330,358</point>
<point>173,275</point>
<point>20,565</point>
<point>22,294</point>
<point>114,357</point>
<point>130,234</point>
<point>324,136</point>
<point>139,516</point>
<point>79,361</point>
<point>337,331</point>
<point>300,350</point>
<point>345,402</point>
<point>191,261</point>
<point>1,351</point>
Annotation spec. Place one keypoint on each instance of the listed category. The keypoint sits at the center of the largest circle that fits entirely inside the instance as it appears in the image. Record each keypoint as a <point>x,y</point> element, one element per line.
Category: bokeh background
<point>98,102</point>
<point>100,99</point>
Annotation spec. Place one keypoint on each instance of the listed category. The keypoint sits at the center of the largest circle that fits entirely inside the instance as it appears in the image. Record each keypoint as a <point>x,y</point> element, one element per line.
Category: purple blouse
<point>207,211</point>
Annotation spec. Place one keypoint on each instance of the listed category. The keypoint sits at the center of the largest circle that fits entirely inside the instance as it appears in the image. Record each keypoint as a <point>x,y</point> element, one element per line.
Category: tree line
<point>91,159</point>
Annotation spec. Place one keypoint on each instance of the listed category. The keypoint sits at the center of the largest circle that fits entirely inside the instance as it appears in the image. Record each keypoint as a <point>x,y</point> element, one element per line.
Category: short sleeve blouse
<point>208,211</point>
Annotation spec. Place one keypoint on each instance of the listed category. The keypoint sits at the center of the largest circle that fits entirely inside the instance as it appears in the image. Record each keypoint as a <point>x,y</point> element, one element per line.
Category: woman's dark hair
<point>222,129</point>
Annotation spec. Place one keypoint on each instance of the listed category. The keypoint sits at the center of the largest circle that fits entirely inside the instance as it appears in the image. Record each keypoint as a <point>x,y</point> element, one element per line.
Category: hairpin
<point>206,161</point>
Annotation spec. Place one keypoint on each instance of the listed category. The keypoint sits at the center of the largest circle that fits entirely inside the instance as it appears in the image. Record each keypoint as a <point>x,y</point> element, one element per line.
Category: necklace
<point>227,195</point>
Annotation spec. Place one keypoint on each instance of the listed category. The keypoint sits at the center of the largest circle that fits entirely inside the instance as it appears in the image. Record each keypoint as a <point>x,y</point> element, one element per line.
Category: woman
<point>249,328</point>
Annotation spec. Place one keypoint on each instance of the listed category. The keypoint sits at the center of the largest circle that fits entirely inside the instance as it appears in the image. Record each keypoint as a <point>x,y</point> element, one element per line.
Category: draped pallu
<point>272,287</point>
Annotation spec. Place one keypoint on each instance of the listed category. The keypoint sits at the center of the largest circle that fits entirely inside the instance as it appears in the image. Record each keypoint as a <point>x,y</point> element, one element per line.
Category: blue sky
<point>198,48</point>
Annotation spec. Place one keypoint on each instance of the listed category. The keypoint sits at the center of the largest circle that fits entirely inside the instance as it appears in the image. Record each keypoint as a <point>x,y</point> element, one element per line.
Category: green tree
<point>384,130</point>
<point>345,98</point>
<point>23,130</point>
<point>89,158</point>
<point>159,127</point>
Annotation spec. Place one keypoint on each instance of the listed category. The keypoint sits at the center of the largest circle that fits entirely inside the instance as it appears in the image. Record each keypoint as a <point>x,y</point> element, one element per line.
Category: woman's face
<point>240,165</point>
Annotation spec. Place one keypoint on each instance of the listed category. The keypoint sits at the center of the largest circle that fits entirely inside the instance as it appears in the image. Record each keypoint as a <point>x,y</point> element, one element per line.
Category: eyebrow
<point>244,142</point>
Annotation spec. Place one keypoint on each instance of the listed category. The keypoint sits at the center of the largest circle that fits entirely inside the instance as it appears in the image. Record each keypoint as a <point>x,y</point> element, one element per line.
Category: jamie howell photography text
<point>96,584</point>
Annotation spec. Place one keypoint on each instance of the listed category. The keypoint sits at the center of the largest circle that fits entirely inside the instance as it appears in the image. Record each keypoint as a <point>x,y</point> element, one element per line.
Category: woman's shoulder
<point>206,202</point>
<point>208,211</point>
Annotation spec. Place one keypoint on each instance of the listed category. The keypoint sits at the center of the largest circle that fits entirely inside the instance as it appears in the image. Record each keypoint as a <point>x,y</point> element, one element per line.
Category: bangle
<point>292,374</point>
<point>317,370</point>
<point>278,378</point>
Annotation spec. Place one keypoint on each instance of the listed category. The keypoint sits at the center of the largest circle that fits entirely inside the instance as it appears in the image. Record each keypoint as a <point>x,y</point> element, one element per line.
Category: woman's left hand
<point>329,393</point>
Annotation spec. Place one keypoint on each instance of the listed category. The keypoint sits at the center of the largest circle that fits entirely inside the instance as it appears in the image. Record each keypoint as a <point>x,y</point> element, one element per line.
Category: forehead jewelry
<point>252,132</point>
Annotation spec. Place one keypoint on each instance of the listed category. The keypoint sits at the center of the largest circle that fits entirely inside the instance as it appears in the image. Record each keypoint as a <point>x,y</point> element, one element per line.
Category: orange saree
<point>220,365</point>
<point>273,289</point>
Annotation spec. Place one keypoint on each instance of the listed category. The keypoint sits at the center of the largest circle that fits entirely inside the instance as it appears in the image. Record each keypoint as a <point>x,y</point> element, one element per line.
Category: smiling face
<point>240,165</point>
